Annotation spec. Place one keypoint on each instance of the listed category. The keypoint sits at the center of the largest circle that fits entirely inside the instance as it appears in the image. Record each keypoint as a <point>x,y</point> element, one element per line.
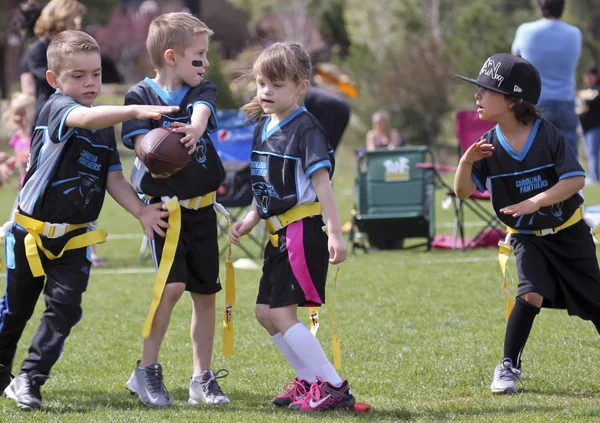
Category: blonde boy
<point>73,162</point>
<point>177,44</point>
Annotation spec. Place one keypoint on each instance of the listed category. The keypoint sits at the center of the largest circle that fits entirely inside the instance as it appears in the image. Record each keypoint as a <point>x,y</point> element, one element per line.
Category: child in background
<point>21,111</point>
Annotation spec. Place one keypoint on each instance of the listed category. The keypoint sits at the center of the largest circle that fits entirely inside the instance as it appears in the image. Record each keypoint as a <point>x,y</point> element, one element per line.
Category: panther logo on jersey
<point>263,193</point>
<point>85,184</point>
<point>201,151</point>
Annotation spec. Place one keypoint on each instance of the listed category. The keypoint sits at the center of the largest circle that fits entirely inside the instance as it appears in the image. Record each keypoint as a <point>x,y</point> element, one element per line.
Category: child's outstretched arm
<point>559,192</point>
<point>463,182</point>
<point>105,116</point>
<point>244,226</point>
<point>195,129</point>
<point>150,216</point>
<point>338,250</point>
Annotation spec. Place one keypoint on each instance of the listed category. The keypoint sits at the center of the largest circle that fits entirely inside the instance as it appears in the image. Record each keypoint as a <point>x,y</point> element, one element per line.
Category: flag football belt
<point>505,250</point>
<point>36,228</point>
<point>194,203</point>
<point>173,206</point>
<point>277,223</point>
<point>274,225</point>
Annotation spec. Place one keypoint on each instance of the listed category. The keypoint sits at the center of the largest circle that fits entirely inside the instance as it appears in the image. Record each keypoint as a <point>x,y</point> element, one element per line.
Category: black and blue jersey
<point>283,160</point>
<point>512,177</point>
<point>204,173</point>
<point>68,167</point>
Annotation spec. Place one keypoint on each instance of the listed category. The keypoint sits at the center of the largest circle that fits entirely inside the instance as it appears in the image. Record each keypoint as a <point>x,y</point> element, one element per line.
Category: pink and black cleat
<point>293,391</point>
<point>324,396</point>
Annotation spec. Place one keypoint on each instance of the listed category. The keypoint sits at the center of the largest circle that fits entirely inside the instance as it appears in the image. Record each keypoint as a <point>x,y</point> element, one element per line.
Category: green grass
<point>421,333</point>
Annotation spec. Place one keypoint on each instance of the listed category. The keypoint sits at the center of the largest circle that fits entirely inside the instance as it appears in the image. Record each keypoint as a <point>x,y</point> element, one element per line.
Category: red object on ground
<point>361,407</point>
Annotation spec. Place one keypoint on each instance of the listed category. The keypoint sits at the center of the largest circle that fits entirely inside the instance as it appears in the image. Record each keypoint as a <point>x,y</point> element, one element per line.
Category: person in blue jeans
<point>588,109</point>
<point>554,48</point>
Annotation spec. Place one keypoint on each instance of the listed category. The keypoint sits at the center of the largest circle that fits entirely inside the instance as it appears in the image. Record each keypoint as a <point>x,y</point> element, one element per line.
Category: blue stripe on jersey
<point>571,174</point>
<point>213,123</point>
<point>115,167</point>
<point>504,143</point>
<point>62,124</point>
<point>171,98</point>
<point>276,155</point>
<point>478,183</point>
<point>94,145</point>
<point>55,183</point>
<point>522,172</point>
<point>40,127</point>
<point>266,134</point>
<point>317,166</point>
<point>128,140</point>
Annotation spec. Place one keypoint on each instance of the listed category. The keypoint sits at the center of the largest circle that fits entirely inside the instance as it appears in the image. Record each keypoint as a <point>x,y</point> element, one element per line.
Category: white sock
<point>297,364</point>
<point>309,350</point>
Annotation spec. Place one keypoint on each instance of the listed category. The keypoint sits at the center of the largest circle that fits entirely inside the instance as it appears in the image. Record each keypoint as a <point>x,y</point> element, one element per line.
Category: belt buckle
<point>544,232</point>
<point>275,223</point>
<point>55,230</point>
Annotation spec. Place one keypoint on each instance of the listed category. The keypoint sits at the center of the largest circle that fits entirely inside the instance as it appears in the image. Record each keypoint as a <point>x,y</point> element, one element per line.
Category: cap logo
<point>490,68</point>
<point>517,89</point>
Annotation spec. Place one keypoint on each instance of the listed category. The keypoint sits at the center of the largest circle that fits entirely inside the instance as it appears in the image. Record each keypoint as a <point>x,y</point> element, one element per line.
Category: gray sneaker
<point>505,378</point>
<point>147,383</point>
<point>205,389</point>
<point>25,390</point>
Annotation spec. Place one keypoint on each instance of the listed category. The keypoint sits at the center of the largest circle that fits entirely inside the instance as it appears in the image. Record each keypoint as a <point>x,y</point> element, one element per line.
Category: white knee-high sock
<point>309,350</point>
<point>297,364</point>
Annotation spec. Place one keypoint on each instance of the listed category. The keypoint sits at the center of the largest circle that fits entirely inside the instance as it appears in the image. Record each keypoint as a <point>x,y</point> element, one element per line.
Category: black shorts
<point>196,260</point>
<point>562,268</point>
<point>296,271</point>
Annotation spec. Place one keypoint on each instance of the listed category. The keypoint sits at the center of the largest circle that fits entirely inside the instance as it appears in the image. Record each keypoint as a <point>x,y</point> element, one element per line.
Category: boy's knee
<point>532,298</point>
<point>173,292</point>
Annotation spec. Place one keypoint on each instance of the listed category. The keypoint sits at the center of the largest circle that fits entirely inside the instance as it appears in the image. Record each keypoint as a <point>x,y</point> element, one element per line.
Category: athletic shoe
<point>324,396</point>
<point>25,391</point>
<point>292,391</point>
<point>505,378</point>
<point>205,389</point>
<point>148,384</point>
<point>5,377</point>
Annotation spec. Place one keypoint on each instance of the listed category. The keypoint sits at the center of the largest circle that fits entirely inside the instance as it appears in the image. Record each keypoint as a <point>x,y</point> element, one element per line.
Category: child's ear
<point>303,87</point>
<point>51,77</point>
<point>169,56</point>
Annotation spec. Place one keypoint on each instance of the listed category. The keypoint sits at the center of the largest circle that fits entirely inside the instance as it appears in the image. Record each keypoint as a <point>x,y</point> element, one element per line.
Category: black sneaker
<point>25,391</point>
<point>5,377</point>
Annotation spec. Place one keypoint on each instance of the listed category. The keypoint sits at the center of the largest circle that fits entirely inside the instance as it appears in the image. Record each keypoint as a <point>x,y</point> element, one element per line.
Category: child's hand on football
<point>191,137</point>
<point>477,151</point>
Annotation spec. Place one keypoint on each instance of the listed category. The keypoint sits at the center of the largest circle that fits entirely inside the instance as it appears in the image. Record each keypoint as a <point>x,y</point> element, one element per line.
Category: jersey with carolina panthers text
<point>283,159</point>
<point>512,177</point>
<point>68,167</point>
<point>204,173</point>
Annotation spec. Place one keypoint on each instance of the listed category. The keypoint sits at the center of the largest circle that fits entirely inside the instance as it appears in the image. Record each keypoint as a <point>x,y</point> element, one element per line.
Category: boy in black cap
<point>535,182</point>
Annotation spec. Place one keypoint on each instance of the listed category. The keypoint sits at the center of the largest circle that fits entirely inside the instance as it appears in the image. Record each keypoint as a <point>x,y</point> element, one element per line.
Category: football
<point>162,152</point>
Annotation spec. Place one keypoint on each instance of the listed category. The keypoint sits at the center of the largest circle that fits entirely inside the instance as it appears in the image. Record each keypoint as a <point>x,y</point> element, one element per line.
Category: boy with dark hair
<point>535,181</point>
<point>73,162</point>
<point>178,44</point>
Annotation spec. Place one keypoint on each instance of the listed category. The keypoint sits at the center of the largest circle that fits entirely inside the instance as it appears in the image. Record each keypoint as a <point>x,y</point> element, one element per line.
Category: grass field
<point>421,333</point>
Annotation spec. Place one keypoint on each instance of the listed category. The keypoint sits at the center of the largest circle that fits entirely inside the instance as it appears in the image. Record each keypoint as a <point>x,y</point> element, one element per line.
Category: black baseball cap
<point>511,75</point>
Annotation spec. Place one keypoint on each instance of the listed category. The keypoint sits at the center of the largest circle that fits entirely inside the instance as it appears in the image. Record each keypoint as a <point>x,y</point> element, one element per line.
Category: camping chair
<point>469,128</point>
<point>394,198</point>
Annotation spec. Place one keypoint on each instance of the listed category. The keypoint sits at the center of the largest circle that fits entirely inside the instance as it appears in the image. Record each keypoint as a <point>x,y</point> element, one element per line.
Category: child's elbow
<point>580,183</point>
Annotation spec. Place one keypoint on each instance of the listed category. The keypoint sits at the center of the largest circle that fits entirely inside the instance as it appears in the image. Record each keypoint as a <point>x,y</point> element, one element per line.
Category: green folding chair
<point>394,198</point>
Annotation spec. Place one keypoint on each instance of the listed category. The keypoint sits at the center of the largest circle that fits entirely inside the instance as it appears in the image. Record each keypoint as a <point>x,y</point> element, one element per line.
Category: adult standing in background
<point>589,113</point>
<point>57,16</point>
<point>553,47</point>
<point>332,112</point>
<point>23,21</point>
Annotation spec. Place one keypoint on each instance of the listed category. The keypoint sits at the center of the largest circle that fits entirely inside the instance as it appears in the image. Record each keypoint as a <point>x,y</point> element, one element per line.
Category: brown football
<point>162,152</point>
